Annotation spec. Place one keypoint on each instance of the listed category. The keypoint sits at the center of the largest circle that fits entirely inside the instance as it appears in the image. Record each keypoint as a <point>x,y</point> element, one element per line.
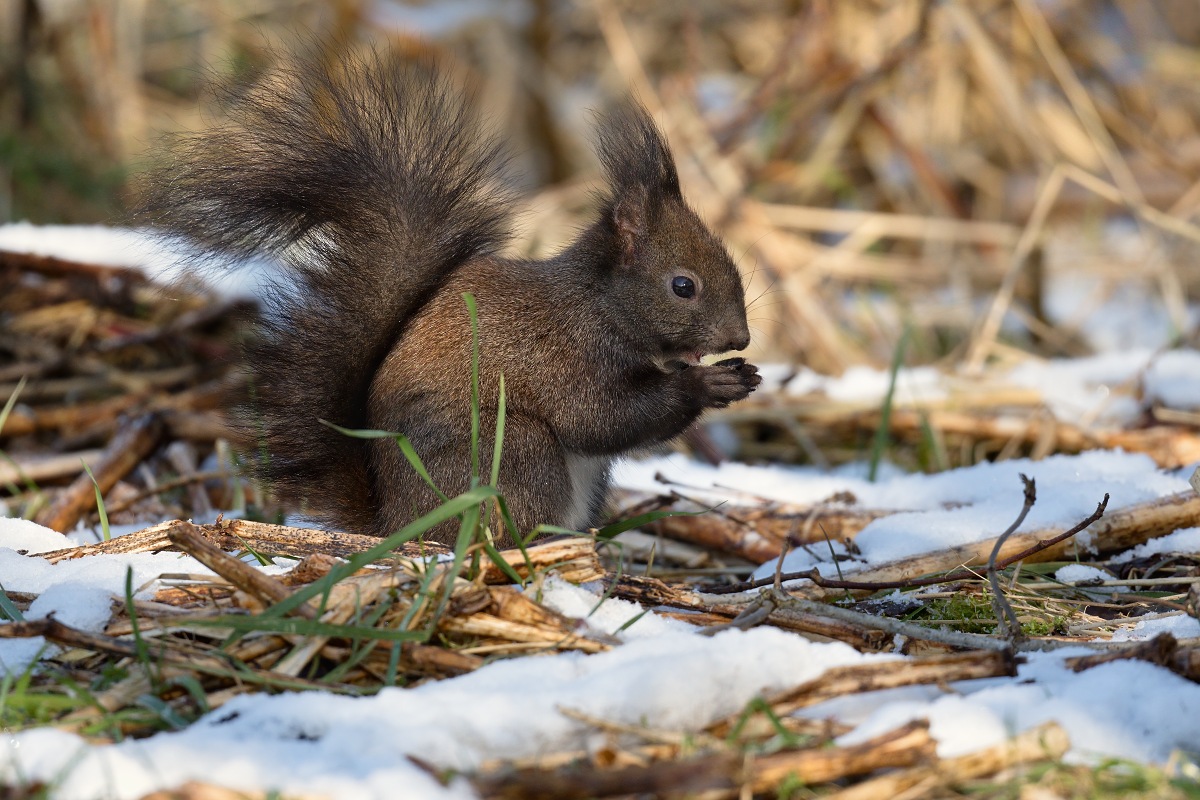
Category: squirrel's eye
<point>683,286</point>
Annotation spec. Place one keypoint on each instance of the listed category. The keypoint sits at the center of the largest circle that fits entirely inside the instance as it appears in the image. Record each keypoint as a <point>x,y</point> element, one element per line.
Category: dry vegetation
<point>877,167</point>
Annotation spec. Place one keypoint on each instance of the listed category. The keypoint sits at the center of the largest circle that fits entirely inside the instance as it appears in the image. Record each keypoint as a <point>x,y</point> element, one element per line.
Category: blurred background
<point>994,177</point>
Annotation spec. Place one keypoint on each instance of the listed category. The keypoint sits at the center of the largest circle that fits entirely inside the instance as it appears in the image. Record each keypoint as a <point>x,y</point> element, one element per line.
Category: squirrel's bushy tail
<point>370,182</point>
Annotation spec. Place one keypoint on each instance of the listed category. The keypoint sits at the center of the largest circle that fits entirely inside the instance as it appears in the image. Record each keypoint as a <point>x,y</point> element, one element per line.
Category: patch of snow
<point>78,591</point>
<point>1069,487</point>
<point>1076,573</point>
<point>1087,388</point>
<point>1082,573</point>
<point>610,617</point>
<point>1179,625</point>
<point>1146,711</point>
<point>445,18</point>
<point>167,262</point>
<point>1173,379</point>
<point>29,537</point>
<point>1184,540</point>
<point>345,747</point>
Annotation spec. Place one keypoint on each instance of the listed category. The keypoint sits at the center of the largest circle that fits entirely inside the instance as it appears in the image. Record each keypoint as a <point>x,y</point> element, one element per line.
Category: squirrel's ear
<point>630,210</point>
<point>639,167</point>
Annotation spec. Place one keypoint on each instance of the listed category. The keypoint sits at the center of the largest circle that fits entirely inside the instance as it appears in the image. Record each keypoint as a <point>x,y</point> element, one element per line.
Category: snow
<point>1144,712</point>
<point>1184,540</point>
<point>612,617</point>
<point>78,592</point>
<point>354,747</point>
<point>1069,487</point>
<point>1087,388</point>
<point>347,747</point>
<point>92,244</point>
<point>163,260</point>
<point>662,673</point>
<point>1173,379</point>
<point>1082,573</point>
<point>1177,624</point>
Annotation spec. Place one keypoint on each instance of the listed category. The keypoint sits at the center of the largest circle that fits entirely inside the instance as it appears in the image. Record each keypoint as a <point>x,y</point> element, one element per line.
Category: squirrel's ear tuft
<point>635,157</point>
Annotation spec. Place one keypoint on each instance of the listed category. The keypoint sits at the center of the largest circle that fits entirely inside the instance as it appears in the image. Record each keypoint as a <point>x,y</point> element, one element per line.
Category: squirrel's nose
<point>740,343</point>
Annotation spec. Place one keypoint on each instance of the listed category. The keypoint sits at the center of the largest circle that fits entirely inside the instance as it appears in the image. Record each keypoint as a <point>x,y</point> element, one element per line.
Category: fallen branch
<point>653,592</point>
<point>43,468</point>
<point>1117,531</point>
<point>249,579</point>
<point>1163,650</point>
<point>1047,742</point>
<point>723,772</point>
<point>860,583</point>
<point>872,677</point>
<point>135,441</point>
<point>240,534</point>
<point>574,558</point>
<point>757,532</point>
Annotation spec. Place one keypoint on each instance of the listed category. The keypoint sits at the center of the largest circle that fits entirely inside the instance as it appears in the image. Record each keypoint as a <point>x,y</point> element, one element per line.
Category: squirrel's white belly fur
<point>589,477</point>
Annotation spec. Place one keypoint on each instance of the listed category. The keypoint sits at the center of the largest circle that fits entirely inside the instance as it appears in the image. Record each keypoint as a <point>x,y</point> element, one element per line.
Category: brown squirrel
<point>370,182</point>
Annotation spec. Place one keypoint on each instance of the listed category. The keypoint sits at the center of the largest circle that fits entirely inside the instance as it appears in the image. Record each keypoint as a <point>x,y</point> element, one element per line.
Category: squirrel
<point>370,182</point>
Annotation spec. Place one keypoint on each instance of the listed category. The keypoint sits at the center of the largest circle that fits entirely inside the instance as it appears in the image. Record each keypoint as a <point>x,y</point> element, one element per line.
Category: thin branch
<point>1101,507</point>
<point>1007,624</point>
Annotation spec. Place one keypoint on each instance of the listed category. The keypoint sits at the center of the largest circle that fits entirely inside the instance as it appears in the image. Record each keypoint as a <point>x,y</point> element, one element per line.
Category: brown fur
<point>396,215</point>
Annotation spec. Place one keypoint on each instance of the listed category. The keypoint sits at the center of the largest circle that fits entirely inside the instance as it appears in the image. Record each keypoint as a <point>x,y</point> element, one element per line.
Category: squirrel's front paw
<point>728,381</point>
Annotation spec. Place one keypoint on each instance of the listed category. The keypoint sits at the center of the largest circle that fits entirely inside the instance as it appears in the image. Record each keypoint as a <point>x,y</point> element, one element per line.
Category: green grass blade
<point>494,554</point>
<point>882,433</point>
<point>448,510</point>
<point>632,620</point>
<point>468,531</point>
<point>298,626</point>
<point>410,453</point>
<point>11,402</point>
<point>393,665</point>
<point>498,444</point>
<point>105,533</point>
<point>937,460</point>
<point>509,524</point>
<point>615,528</point>
<point>262,560</point>
<point>7,608</point>
<point>139,642</point>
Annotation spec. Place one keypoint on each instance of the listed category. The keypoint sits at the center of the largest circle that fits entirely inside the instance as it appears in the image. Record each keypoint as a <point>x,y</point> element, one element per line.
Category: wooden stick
<point>720,771</point>
<point>653,592</point>
<point>1047,742</point>
<point>489,625</point>
<point>876,676</point>
<point>22,421</point>
<point>247,578</point>
<point>1118,530</point>
<point>1170,446</point>
<point>756,532</point>
<point>134,441</point>
<point>902,747</point>
<point>47,467</point>
<point>61,267</point>
<point>239,534</point>
<point>1163,650</point>
<point>574,558</point>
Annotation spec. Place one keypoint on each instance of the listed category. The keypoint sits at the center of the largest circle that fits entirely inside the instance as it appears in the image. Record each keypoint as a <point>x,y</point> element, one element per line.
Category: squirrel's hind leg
<point>535,477</point>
